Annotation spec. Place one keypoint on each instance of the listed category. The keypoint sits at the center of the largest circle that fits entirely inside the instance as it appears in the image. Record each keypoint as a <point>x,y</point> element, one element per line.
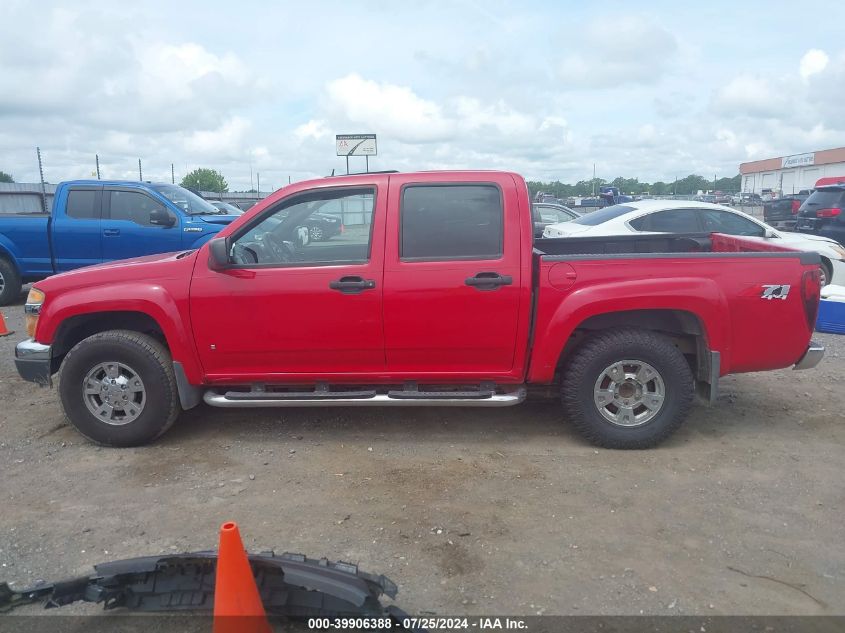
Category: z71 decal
<point>775,291</point>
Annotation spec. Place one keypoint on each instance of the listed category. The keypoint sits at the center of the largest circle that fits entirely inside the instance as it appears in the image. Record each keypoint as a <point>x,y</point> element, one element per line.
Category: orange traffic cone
<point>237,604</point>
<point>3,330</point>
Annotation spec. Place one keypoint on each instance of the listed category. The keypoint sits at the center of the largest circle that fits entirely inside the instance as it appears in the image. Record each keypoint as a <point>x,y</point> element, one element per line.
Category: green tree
<point>204,179</point>
<point>4,177</point>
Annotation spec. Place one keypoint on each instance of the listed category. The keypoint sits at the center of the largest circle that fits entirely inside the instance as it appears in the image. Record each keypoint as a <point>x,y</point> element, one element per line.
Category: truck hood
<point>146,267</point>
<point>213,218</point>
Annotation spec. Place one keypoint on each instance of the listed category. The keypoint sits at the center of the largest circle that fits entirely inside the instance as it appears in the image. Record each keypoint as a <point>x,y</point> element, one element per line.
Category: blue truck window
<point>81,204</point>
<point>133,206</point>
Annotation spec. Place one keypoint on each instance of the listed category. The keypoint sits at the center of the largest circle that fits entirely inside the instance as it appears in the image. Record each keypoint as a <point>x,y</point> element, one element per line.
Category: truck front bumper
<point>812,357</point>
<point>34,361</point>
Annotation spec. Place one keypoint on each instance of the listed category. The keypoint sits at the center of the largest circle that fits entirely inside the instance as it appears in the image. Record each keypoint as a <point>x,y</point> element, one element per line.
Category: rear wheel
<point>118,388</point>
<point>10,282</point>
<point>627,389</point>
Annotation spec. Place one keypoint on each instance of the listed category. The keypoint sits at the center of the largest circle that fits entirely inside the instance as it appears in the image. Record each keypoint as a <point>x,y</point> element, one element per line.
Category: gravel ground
<point>469,511</point>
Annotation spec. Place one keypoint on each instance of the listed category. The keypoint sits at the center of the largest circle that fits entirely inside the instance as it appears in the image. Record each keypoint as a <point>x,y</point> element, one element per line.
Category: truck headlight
<point>32,308</point>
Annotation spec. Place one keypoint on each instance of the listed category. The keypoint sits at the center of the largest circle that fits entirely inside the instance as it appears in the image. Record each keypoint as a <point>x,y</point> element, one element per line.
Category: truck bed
<point>553,249</point>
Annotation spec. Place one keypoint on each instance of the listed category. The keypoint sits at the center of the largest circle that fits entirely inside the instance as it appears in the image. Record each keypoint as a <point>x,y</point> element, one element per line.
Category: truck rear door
<point>75,227</point>
<point>452,279</point>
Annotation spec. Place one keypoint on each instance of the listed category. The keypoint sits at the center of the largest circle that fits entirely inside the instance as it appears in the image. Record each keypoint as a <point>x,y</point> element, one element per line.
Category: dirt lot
<point>477,512</point>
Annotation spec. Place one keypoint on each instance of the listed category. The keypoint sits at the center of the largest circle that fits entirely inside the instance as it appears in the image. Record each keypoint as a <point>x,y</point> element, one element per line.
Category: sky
<point>653,90</point>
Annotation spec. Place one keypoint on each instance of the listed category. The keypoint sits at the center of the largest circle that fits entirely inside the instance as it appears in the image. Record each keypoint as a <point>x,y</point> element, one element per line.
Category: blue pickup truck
<point>96,221</point>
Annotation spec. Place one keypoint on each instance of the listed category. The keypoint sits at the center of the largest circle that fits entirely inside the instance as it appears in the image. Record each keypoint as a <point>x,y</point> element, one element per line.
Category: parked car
<point>226,208</point>
<point>668,216</point>
<point>823,213</point>
<point>94,221</point>
<point>445,299</point>
<point>721,198</point>
<point>782,213</point>
<point>545,214</point>
<point>323,226</point>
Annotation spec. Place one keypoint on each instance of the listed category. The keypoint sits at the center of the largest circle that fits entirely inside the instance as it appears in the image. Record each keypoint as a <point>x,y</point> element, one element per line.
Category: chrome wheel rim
<point>823,276</point>
<point>114,393</point>
<point>316,233</point>
<point>2,282</point>
<point>629,393</point>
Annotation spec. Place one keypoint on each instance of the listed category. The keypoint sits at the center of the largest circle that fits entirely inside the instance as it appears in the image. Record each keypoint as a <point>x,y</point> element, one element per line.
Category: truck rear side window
<point>82,204</point>
<point>441,222</point>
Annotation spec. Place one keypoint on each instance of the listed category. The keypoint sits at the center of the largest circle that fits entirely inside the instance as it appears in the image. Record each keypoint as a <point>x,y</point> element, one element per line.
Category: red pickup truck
<point>434,294</point>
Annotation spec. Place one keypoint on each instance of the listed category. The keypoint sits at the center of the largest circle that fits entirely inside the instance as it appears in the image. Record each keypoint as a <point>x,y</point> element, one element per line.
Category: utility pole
<point>41,173</point>
<point>714,183</point>
<point>172,175</point>
<point>140,173</point>
<point>97,160</point>
<point>258,178</point>
<point>594,180</point>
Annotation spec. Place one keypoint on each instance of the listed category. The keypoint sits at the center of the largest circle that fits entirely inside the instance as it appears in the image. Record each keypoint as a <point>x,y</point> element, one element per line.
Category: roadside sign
<point>356,144</point>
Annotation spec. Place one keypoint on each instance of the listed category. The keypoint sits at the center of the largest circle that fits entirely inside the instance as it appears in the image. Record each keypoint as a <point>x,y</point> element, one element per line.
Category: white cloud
<point>396,110</point>
<point>754,96</point>
<point>813,62</point>
<point>617,51</point>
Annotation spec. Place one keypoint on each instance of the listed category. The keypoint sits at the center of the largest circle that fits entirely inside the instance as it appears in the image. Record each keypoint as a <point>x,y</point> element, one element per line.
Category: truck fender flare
<point>699,297</point>
<point>149,300</point>
<point>8,252</point>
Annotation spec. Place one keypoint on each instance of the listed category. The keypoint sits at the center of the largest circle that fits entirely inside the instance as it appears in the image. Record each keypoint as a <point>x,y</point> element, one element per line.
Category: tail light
<point>796,204</point>
<point>832,212</point>
<point>811,285</point>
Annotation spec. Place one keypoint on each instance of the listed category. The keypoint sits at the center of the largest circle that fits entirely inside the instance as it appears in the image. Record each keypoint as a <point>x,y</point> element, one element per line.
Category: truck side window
<point>82,204</point>
<point>328,226</point>
<point>451,222</point>
<point>132,206</point>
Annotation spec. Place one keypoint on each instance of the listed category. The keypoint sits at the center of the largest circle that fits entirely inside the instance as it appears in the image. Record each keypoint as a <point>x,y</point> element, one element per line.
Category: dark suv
<point>823,213</point>
<point>782,213</point>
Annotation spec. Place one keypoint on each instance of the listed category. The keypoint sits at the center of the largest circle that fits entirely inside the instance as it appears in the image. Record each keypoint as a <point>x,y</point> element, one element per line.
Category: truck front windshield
<point>186,200</point>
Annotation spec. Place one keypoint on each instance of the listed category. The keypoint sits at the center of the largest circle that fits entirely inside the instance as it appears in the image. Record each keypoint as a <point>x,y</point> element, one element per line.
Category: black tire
<point>10,281</point>
<point>827,272</point>
<point>153,365</point>
<point>588,363</point>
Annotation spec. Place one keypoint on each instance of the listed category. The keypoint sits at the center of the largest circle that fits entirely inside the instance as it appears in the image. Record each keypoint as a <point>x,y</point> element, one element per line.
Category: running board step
<point>237,399</point>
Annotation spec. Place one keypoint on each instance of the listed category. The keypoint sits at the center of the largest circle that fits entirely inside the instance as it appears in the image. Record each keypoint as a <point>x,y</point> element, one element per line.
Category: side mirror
<point>218,253</point>
<point>161,217</point>
<point>770,234</point>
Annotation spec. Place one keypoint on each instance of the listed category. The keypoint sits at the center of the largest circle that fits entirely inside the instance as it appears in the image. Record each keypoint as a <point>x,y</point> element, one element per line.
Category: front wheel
<point>10,282</point>
<point>118,388</point>
<point>627,388</point>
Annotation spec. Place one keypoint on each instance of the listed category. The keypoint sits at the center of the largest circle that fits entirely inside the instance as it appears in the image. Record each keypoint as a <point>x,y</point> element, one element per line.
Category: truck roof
<point>89,181</point>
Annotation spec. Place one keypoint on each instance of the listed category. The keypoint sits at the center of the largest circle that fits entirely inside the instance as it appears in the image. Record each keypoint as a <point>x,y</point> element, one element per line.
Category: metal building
<point>790,174</point>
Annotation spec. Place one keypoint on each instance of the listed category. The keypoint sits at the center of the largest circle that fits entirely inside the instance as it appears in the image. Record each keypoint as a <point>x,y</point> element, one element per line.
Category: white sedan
<point>676,216</point>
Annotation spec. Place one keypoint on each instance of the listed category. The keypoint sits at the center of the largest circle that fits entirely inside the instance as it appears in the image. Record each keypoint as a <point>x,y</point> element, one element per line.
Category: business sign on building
<point>798,160</point>
<point>356,144</point>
